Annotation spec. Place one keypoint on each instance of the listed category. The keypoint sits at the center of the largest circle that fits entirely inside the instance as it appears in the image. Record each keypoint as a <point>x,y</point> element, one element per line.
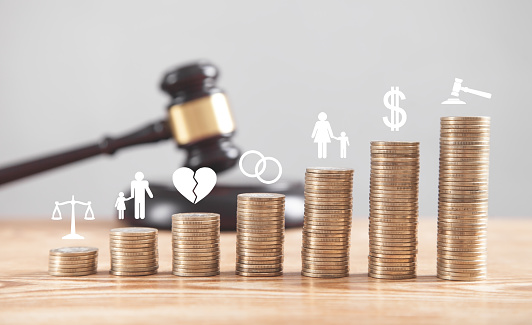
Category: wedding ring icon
<point>261,164</point>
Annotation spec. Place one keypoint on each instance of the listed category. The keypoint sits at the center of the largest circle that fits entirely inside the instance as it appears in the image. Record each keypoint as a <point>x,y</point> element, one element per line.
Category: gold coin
<point>196,274</point>
<point>392,277</point>
<point>472,262</point>
<point>266,213</point>
<point>207,233</point>
<point>176,220</point>
<point>330,170</point>
<point>325,249</point>
<point>395,143</point>
<point>260,220</point>
<point>317,214</point>
<point>376,263</point>
<point>244,242</point>
<point>260,206</point>
<point>314,275</point>
<point>306,255</point>
<point>54,273</point>
<point>343,272</point>
<point>259,274</point>
<point>179,239</point>
<point>74,251</point>
<point>261,225</point>
<point>466,268</point>
<point>61,261</point>
<point>262,267</point>
<point>195,216</point>
<point>260,231</point>
<point>465,278</point>
<point>261,196</point>
<point>72,266</point>
<point>133,231</point>
<point>459,272</point>
<point>328,180</point>
<point>453,237</point>
<point>265,259</point>
<point>127,273</point>
<point>325,229</point>
<point>73,259</point>
<point>252,237</point>
<point>326,258</point>
<point>328,197</point>
<point>82,268</point>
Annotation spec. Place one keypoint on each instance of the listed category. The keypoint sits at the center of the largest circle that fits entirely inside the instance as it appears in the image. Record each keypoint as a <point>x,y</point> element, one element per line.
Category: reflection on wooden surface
<point>29,295</point>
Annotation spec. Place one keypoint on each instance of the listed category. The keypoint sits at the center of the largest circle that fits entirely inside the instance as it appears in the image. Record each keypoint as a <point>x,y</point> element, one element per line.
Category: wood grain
<point>29,295</point>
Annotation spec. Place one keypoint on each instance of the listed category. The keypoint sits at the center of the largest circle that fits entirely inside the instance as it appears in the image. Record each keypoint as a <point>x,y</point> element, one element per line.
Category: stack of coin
<point>463,198</point>
<point>260,234</point>
<point>196,244</point>
<point>393,210</point>
<point>134,251</point>
<point>73,261</point>
<point>327,222</point>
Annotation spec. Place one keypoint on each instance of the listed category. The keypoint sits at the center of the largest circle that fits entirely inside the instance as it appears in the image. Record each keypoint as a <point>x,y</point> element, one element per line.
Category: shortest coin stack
<point>134,251</point>
<point>196,244</point>
<point>260,234</point>
<point>73,261</point>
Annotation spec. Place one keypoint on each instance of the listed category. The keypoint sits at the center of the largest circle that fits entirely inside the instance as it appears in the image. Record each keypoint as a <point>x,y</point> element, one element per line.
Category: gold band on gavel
<point>201,118</point>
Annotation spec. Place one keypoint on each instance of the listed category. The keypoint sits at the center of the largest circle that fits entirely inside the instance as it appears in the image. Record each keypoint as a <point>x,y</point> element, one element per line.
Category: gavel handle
<point>151,133</point>
<point>476,92</point>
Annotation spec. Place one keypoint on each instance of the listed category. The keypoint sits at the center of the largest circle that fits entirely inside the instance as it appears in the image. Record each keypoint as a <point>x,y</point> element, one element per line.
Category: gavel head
<point>200,117</point>
<point>456,87</point>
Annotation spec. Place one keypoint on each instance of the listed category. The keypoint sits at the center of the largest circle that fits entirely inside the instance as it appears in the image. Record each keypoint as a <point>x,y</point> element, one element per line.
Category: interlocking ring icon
<point>261,162</point>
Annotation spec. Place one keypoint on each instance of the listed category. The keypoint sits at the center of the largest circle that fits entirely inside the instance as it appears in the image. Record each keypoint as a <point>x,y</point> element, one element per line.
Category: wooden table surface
<point>29,295</point>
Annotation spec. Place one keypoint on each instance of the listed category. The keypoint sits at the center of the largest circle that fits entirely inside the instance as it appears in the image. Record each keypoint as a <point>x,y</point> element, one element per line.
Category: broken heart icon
<point>194,186</point>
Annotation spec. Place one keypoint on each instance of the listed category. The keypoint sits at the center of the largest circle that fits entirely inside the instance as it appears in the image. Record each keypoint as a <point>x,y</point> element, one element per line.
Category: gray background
<point>72,71</point>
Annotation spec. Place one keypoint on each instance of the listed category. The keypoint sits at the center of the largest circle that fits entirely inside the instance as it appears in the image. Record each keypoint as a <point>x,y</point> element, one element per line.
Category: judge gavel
<point>200,121</point>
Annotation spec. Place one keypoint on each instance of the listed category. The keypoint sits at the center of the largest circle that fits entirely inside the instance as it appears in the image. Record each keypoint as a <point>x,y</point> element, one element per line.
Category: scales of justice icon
<point>89,215</point>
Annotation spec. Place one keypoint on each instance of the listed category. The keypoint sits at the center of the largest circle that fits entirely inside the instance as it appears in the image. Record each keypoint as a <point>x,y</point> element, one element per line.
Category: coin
<point>133,231</point>
<point>393,202</point>
<point>463,197</point>
<point>196,244</point>
<point>133,251</point>
<point>327,221</point>
<point>259,274</point>
<point>73,261</point>
<point>260,234</point>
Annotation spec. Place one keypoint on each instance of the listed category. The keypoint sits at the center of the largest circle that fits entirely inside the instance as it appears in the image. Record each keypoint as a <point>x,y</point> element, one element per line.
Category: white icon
<point>139,188</point>
<point>457,87</point>
<point>56,215</point>
<point>397,114</point>
<point>344,142</point>
<point>120,204</point>
<point>322,134</point>
<point>194,186</point>
<point>262,165</point>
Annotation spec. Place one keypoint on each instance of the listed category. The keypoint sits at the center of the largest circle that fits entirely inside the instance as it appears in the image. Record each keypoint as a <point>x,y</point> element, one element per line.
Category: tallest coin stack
<point>463,198</point>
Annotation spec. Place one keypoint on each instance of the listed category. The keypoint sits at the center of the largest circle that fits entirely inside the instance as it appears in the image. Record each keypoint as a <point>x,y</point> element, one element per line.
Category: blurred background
<point>74,71</point>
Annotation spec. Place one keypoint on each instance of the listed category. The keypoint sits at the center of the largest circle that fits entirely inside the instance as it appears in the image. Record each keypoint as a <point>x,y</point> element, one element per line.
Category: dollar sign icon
<point>397,114</point>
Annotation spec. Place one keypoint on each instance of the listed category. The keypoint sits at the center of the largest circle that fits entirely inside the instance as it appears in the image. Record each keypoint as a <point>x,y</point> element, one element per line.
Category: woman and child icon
<point>322,135</point>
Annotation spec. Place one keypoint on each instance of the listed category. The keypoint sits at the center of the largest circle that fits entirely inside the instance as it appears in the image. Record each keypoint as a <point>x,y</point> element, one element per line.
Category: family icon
<point>322,135</point>
<point>139,188</point>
